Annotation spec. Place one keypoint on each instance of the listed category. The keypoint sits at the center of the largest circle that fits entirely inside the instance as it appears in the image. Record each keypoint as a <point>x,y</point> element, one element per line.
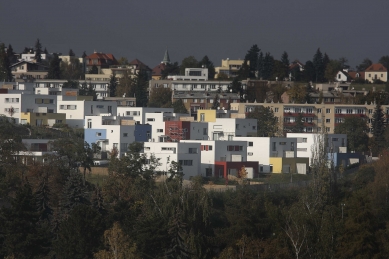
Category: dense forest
<point>50,210</point>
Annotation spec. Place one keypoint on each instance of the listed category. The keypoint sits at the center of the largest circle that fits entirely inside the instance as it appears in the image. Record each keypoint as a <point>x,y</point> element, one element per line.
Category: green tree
<point>309,72</point>
<point>208,64</point>
<point>216,103</point>
<point>188,62</point>
<point>384,60</point>
<point>54,68</point>
<point>364,65</point>
<point>268,65</point>
<point>160,97</point>
<point>179,106</point>
<point>72,70</point>
<point>378,129</point>
<point>74,192</point>
<point>279,71</point>
<point>318,64</point>
<point>298,93</point>
<point>356,130</point>
<point>112,85</point>
<point>5,69</point>
<point>260,64</point>
<point>93,70</point>
<point>170,69</point>
<point>343,63</point>
<point>38,51</point>
<point>298,127</point>
<point>123,61</point>
<point>79,235</point>
<point>267,125</point>
<point>141,84</point>
<point>71,53</point>
<point>285,63</point>
<point>252,58</point>
<point>333,67</point>
<point>22,236</point>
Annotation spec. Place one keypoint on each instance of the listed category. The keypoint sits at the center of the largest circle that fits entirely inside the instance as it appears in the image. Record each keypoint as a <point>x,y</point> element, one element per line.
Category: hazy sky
<point>220,29</point>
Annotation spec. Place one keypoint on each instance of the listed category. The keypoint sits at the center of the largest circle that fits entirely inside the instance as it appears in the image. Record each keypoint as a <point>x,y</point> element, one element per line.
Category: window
<point>125,134</point>
<point>282,143</point>
<point>237,126</point>
<point>110,109</point>
<point>185,100</point>
<point>328,120</point>
<point>309,110</point>
<point>328,110</point>
<point>123,147</point>
<point>150,119</point>
<point>251,144</point>
<point>319,110</point>
<point>335,139</point>
<point>275,109</point>
<point>304,140</point>
<point>186,162</point>
<point>98,134</point>
<point>115,145</point>
<point>230,148</point>
<point>327,129</point>
<point>318,129</point>
<point>250,153</point>
<point>205,131</point>
<point>292,146</point>
<point>274,146</point>
<point>338,111</point>
<point>159,130</point>
<point>89,123</point>
<point>192,150</point>
<point>202,116</point>
<point>349,111</point>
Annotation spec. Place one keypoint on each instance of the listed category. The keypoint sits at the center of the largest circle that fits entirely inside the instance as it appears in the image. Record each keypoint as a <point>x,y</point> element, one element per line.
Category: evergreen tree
<point>208,64</point>
<point>38,51</point>
<point>318,64</point>
<point>285,63</point>
<point>179,106</point>
<point>5,69</point>
<point>216,103</point>
<point>170,69</point>
<point>11,54</point>
<point>74,192</point>
<point>54,68</point>
<point>45,51</point>
<point>141,84</point>
<point>309,72</point>
<point>84,54</point>
<point>112,85</point>
<point>188,62</point>
<point>267,125</point>
<point>93,70</point>
<point>378,129</point>
<point>22,236</point>
<point>268,63</point>
<point>42,197</point>
<point>252,58</point>
<point>260,67</point>
<point>71,53</point>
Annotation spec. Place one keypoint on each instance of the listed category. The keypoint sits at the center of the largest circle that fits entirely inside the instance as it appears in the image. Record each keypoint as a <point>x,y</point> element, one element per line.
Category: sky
<point>219,29</point>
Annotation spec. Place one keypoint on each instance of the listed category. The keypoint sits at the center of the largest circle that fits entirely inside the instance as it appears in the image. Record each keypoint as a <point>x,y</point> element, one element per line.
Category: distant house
<point>138,66</point>
<point>357,75</point>
<point>100,60</point>
<point>28,71</point>
<point>376,72</point>
<point>343,76</point>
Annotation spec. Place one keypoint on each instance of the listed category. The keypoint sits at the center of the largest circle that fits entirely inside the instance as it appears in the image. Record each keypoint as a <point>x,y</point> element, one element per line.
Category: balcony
<point>295,114</point>
<point>348,115</point>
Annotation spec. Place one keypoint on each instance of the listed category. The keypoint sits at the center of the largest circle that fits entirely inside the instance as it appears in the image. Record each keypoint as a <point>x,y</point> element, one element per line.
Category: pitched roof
<point>166,58</point>
<point>377,68</point>
<point>139,64</point>
<point>157,71</point>
<point>102,58</point>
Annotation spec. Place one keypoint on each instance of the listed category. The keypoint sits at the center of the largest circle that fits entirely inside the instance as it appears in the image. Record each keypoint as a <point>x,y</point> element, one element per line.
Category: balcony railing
<point>295,114</point>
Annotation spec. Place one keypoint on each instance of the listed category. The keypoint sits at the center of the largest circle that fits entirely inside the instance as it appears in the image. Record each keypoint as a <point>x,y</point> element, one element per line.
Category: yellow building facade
<point>42,119</point>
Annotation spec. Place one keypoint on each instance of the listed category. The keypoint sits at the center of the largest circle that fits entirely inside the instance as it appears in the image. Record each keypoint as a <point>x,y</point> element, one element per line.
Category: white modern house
<point>186,154</point>
<point>228,128</point>
<point>309,143</point>
<point>76,110</point>
<point>14,104</point>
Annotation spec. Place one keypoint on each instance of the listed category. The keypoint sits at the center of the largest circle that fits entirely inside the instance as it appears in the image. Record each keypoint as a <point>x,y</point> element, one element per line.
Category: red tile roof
<point>102,59</point>
<point>139,64</point>
<point>157,71</point>
<point>377,68</point>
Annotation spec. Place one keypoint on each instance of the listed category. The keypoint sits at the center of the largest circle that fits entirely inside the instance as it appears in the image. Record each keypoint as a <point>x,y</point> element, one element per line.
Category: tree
<point>333,67</point>
<point>216,102</point>
<point>206,63</point>
<point>279,71</point>
<point>5,69</point>
<point>112,85</point>
<point>343,63</point>
<point>160,97</point>
<point>22,236</point>
<point>54,68</point>
<point>79,235</point>
<point>123,61</point>
<point>298,127</point>
<point>378,129</point>
<point>38,51</point>
<point>179,107</point>
<point>364,65</point>
<point>170,69</point>
<point>309,72</point>
<point>72,70</point>
<point>188,62</point>
<point>319,66</point>
<point>356,130</point>
<point>71,53</point>
<point>268,64</point>
<point>384,60</point>
<point>74,192</point>
<point>119,245</point>
<point>298,93</point>
<point>285,63</point>
<point>267,125</point>
<point>93,70</point>
<point>141,84</point>
<point>260,67</point>
<point>252,58</point>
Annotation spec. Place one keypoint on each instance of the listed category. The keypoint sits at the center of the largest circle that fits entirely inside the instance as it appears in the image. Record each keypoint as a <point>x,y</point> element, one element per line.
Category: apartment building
<point>316,117</point>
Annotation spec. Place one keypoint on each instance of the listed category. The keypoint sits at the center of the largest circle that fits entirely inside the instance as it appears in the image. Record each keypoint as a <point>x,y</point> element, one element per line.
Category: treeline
<point>49,210</point>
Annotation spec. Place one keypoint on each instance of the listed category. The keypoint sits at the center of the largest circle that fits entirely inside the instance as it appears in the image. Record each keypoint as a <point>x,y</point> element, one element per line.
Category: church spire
<point>166,59</point>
